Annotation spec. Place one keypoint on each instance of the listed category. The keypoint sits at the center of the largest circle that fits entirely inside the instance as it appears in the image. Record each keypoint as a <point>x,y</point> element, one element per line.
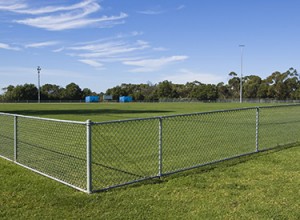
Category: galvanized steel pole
<point>15,138</point>
<point>160,165</point>
<point>89,156</point>
<point>257,130</point>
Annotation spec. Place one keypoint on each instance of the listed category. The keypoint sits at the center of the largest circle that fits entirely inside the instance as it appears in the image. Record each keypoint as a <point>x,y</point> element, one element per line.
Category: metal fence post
<point>160,164</point>
<point>89,156</point>
<point>15,138</point>
<point>257,130</point>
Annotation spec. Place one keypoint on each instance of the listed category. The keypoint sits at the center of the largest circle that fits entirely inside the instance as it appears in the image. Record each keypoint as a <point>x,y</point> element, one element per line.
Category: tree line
<point>279,86</point>
<point>48,92</point>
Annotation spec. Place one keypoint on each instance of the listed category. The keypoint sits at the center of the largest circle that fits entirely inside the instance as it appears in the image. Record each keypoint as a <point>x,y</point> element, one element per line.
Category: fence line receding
<point>95,156</point>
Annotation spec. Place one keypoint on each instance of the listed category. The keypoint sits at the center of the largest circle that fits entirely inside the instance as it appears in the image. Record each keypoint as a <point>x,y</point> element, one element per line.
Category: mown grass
<point>114,111</point>
<point>124,152</point>
<point>261,186</point>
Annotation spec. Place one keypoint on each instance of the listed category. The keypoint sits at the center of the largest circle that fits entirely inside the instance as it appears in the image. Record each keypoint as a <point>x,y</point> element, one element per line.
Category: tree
<point>30,92</point>
<point>25,92</point>
<point>234,85</point>
<point>262,91</point>
<point>9,93</point>
<point>223,91</point>
<point>116,92</point>
<point>73,92</point>
<point>51,92</point>
<point>283,85</point>
<point>86,92</point>
<point>149,91</point>
<point>211,92</point>
<point>165,89</point>
<point>251,86</point>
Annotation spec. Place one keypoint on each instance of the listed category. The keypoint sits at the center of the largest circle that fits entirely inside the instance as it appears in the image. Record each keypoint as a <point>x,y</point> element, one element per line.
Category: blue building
<point>92,99</point>
<point>125,99</point>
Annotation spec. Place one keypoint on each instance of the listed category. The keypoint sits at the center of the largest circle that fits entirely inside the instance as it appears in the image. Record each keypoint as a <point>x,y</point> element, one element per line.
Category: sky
<point>99,44</point>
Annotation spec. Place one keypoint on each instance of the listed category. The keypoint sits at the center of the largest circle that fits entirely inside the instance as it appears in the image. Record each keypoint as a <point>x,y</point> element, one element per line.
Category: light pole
<point>241,79</point>
<point>39,90</point>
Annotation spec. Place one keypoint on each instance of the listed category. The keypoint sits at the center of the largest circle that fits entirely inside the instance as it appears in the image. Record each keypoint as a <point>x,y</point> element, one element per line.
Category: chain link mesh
<point>7,136</point>
<point>55,148</point>
<point>133,150</point>
<point>124,151</point>
<point>279,126</point>
<point>192,140</point>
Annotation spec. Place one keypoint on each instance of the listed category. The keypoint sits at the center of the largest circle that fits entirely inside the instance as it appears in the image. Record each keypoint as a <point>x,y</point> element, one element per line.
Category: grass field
<point>114,111</point>
<point>261,186</point>
<point>219,191</point>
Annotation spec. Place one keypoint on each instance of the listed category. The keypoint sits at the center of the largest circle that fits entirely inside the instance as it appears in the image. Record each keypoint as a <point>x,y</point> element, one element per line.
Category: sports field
<point>158,200</point>
<point>114,111</point>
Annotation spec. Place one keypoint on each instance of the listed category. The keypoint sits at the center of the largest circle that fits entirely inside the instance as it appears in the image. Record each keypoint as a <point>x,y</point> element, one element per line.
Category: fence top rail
<point>44,119</point>
<point>280,106</point>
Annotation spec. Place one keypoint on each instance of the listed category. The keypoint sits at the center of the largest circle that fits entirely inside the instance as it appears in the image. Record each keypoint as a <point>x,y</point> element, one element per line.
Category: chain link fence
<point>7,136</point>
<point>92,156</point>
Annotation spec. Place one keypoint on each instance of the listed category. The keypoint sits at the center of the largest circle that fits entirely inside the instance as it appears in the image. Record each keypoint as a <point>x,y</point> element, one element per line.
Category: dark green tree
<point>251,86</point>
<point>73,92</point>
<point>234,85</point>
<point>51,92</point>
<point>165,89</point>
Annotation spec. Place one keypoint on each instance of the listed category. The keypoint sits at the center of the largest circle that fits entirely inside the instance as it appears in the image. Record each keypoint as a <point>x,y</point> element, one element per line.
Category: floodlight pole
<point>39,89</point>
<point>241,79</point>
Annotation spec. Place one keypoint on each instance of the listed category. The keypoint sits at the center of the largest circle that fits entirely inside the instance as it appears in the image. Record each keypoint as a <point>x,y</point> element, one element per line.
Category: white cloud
<point>151,12</point>
<point>62,17</point>
<point>41,44</point>
<point>184,76</point>
<point>109,49</point>
<point>156,10</point>
<point>51,9</point>
<point>18,6</point>
<point>8,47</point>
<point>11,5</point>
<point>137,33</point>
<point>71,21</point>
<point>149,65</point>
<point>121,49</point>
<point>180,7</point>
<point>92,63</point>
<point>160,49</point>
<point>58,49</point>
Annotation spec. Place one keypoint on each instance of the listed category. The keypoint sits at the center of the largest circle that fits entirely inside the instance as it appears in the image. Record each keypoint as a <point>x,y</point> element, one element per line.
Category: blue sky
<point>99,44</point>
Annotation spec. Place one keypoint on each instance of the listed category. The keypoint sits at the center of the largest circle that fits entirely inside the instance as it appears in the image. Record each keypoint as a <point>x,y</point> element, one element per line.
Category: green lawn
<point>114,111</point>
<point>261,186</point>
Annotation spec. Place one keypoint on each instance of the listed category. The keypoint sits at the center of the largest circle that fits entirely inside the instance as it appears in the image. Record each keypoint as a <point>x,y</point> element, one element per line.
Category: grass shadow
<point>210,167</point>
<point>84,111</point>
<point>230,162</point>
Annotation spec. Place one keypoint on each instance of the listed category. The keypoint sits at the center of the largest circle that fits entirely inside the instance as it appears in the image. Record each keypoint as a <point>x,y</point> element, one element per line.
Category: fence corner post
<point>160,163</point>
<point>89,156</point>
<point>15,138</point>
<point>257,130</point>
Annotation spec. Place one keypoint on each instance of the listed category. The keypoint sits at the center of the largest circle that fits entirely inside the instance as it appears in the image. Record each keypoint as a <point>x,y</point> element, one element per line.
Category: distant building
<point>125,99</point>
<point>107,97</point>
<point>92,99</point>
